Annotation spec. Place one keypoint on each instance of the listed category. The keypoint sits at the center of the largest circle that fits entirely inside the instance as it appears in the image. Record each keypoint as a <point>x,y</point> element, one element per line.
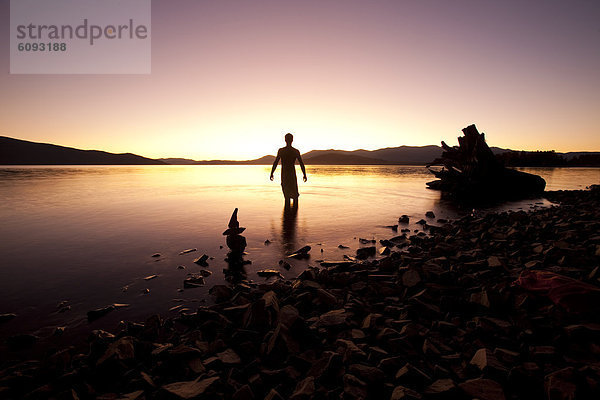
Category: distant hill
<point>336,158</point>
<point>22,152</point>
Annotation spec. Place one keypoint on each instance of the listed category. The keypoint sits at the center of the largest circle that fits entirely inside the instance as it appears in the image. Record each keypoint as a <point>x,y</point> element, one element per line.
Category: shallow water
<point>82,234</point>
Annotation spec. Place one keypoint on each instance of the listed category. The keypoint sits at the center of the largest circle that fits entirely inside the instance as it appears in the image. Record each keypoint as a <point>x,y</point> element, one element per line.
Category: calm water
<point>82,234</point>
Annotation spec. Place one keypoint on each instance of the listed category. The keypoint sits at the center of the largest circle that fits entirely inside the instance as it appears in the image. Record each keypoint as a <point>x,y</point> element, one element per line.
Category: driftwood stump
<point>471,171</point>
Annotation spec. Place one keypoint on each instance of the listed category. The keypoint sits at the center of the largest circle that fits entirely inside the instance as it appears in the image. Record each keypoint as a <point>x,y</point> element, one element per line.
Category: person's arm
<point>275,165</point>
<point>302,166</point>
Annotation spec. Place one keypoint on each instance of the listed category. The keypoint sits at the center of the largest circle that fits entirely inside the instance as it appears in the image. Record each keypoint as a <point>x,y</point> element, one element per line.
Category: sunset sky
<point>229,78</point>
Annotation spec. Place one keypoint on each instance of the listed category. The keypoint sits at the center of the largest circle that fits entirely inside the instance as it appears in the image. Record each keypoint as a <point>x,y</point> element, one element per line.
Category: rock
<point>441,388</point>
<point>193,281</point>
<point>371,375</point>
<point>267,242</point>
<point>267,273</point>
<point>7,317</point>
<point>99,312</point>
<point>181,267</point>
<point>393,227</point>
<point>156,255</point>
<point>21,341</point>
<point>384,251</point>
<point>366,241</point>
<point>333,318</point>
<point>221,292</point>
<point>404,393</point>
<point>422,222</point>
<point>561,385</point>
<point>411,278</point>
<point>191,389</point>
<point>243,393</point>
<point>430,214</point>
<point>494,262</point>
<point>273,395</point>
<point>354,388</point>
<point>483,389</point>
<point>484,359</point>
<point>229,357</point>
<point>150,277</point>
<point>304,389</point>
<point>301,253</point>
<point>403,219</point>
<point>187,251</point>
<point>122,349</point>
<point>202,260</point>
<point>341,246</point>
<point>363,253</point>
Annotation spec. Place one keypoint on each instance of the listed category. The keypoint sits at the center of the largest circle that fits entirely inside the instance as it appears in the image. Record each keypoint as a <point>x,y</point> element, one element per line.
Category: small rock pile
<point>449,315</point>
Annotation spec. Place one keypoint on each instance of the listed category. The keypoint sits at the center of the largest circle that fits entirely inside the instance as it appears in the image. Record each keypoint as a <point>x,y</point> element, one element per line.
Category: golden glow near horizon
<point>229,79</point>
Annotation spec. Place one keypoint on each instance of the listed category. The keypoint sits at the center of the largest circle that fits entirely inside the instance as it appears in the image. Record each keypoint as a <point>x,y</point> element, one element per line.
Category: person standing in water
<point>288,156</point>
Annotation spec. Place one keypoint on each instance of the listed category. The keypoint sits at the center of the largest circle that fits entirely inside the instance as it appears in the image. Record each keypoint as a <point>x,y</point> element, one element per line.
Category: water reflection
<point>289,222</point>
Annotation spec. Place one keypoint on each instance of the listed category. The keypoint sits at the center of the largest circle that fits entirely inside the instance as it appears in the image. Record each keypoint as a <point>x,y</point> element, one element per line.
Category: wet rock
<point>404,393</point>
<point>122,349</point>
<point>150,277</point>
<point>404,219</point>
<point>273,395</point>
<point>441,388</point>
<point>304,390</point>
<point>181,267</point>
<point>300,253</point>
<point>191,389</point>
<point>363,253</point>
<point>484,359</point>
<point>354,388</point>
<point>99,312</point>
<point>221,293</point>
<point>7,317</point>
<point>186,251</point>
<point>333,318</point>
<point>243,393</point>
<point>430,214</point>
<point>202,260</point>
<point>156,255</point>
<point>229,357</point>
<point>561,384</point>
<point>483,389</point>
<point>341,246</point>
<point>21,341</point>
<point>193,281</point>
<point>267,273</point>
<point>366,241</point>
<point>411,278</point>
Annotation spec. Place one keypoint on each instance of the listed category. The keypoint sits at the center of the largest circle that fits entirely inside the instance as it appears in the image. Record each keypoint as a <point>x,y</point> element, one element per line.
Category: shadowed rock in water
<point>236,244</point>
<point>471,172</point>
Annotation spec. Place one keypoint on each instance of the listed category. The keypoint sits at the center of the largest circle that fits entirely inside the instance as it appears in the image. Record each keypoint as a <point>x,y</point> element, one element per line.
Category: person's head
<point>289,138</point>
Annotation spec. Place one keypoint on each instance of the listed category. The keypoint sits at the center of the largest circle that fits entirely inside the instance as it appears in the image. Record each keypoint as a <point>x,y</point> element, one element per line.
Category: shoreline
<point>440,316</point>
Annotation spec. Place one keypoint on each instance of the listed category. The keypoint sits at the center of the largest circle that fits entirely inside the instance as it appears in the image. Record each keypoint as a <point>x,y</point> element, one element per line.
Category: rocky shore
<point>503,306</point>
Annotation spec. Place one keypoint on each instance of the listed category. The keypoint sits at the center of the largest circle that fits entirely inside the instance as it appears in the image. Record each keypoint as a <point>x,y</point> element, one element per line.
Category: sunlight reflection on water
<point>83,233</point>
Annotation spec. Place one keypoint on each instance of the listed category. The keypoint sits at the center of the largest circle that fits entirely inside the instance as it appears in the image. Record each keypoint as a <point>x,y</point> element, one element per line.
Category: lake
<point>85,235</point>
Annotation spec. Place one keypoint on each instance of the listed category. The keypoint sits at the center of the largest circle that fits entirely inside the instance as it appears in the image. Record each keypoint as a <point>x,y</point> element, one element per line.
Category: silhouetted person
<point>288,156</point>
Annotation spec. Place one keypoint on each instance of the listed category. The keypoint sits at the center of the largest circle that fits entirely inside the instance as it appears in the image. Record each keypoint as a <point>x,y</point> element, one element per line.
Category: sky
<point>229,78</point>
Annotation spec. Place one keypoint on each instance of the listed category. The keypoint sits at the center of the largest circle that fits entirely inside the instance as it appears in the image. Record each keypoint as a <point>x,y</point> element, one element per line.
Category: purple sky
<point>230,77</point>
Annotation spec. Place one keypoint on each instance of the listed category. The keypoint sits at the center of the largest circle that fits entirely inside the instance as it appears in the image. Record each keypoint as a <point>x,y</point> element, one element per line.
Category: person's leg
<point>295,201</point>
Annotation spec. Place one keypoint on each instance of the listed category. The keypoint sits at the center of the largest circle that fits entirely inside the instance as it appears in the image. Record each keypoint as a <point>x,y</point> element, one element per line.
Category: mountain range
<point>22,152</point>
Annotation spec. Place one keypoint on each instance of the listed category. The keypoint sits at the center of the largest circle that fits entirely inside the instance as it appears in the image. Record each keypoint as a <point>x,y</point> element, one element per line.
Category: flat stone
<point>482,389</point>
<point>333,318</point>
<point>190,389</point>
